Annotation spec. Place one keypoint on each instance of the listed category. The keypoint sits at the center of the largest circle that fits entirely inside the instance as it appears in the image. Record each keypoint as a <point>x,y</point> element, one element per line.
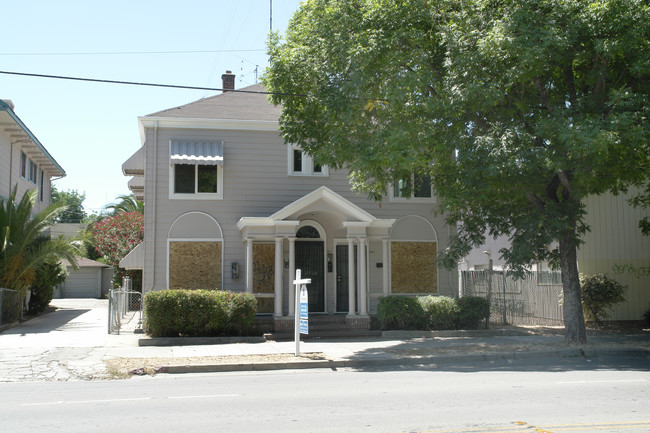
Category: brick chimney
<point>228,80</point>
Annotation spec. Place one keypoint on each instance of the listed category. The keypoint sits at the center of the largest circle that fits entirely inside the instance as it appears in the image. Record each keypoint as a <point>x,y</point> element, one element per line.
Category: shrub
<point>400,312</point>
<point>472,310</point>
<point>48,275</point>
<point>192,313</point>
<point>646,317</point>
<point>441,312</point>
<point>599,294</point>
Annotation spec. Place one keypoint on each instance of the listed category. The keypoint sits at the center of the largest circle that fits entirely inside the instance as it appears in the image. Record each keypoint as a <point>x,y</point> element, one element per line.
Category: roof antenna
<point>270,15</point>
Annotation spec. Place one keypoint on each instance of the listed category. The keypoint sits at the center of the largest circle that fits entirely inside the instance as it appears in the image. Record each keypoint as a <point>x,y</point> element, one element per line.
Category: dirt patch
<point>127,367</point>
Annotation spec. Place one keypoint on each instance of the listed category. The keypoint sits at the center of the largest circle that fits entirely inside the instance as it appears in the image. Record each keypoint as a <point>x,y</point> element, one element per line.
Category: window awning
<point>134,166</point>
<point>198,153</point>
<point>135,259</point>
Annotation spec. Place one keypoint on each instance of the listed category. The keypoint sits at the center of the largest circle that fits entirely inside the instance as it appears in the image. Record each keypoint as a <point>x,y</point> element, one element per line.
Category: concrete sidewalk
<point>72,343</point>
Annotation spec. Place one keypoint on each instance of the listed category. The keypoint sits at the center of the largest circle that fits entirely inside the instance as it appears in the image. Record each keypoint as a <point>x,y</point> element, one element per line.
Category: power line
<point>112,53</point>
<point>134,83</point>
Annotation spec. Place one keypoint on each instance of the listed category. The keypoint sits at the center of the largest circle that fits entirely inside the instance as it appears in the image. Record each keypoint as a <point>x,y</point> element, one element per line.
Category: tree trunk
<point>574,321</point>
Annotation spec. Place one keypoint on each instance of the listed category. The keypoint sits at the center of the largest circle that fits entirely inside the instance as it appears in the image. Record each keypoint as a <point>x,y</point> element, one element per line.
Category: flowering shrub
<point>116,236</point>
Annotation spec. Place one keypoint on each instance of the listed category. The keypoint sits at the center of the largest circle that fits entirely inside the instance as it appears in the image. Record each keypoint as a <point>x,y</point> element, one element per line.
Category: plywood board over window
<point>413,267</point>
<point>264,276</point>
<point>195,265</point>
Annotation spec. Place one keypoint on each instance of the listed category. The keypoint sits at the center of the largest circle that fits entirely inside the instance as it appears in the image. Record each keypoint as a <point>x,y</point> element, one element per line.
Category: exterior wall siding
<point>616,247</point>
<point>257,184</point>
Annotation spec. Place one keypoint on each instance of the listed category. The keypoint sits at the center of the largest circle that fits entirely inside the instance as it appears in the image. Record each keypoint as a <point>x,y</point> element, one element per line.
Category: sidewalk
<point>72,343</point>
<point>392,349</point>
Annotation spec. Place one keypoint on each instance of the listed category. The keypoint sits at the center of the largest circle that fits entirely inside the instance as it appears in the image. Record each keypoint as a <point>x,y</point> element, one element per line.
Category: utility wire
<point>112,53</point>
<point>133,83</point>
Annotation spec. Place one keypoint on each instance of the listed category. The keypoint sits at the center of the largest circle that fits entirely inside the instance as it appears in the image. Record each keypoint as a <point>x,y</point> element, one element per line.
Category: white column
<point>362,277</point>
<point>249,265</point>
<point>292,274</point>
<point>277,306</point>
<point>384,245</point>
<point>352,296</point>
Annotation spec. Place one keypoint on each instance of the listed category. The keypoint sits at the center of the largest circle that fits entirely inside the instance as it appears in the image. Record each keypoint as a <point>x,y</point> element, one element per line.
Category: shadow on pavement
<point>59,319</point>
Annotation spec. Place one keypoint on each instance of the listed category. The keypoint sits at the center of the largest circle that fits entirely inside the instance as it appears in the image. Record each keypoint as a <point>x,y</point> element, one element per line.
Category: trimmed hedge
<point>198,313</point>
<point>432,312</point>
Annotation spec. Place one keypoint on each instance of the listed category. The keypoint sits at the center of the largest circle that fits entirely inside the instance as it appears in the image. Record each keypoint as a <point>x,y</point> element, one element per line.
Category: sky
<point>92,128</point>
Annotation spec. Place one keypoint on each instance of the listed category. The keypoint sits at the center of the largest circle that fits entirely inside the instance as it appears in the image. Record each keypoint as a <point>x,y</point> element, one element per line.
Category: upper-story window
<point>196,170</point>
<point>23,165</point>
<point>41,184</point>
<point>418,187</point>
<point>33,172</point>
<point>301,164</point>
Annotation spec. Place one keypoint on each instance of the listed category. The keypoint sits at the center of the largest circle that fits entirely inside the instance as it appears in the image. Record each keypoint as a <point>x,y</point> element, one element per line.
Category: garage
<point>91,280</point>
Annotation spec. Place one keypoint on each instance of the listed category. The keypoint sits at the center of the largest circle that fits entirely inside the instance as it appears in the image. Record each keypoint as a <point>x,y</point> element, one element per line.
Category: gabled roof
<point>248,103</point>
<point>11,125</point>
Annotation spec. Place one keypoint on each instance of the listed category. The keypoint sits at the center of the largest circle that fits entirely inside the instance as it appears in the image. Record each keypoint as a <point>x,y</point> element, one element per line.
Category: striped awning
<point>197,153</point>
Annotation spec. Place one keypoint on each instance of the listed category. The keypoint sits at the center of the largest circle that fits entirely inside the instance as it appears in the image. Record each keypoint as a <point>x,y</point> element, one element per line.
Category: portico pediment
<point>322,200</point>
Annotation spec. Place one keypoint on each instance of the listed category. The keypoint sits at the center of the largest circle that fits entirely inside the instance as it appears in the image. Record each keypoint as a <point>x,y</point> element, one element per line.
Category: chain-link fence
<point>532,300</point>
<point>124,309</point>
<point>10,306</point>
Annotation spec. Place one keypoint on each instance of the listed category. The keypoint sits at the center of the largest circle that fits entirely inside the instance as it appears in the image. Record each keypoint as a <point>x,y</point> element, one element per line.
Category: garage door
<point>83,283</point>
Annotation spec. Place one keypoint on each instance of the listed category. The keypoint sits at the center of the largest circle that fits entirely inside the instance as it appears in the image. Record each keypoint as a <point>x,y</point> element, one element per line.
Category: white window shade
<point>198,153</point>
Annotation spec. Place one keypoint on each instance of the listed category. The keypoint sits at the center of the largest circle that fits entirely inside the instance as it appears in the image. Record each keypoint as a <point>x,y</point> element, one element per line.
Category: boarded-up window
<point>195,265</point>
<point>413,267</point>
<point>264,276</point>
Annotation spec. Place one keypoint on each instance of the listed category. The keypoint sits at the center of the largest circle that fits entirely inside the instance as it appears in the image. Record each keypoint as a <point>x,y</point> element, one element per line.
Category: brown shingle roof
<point>228,105</point>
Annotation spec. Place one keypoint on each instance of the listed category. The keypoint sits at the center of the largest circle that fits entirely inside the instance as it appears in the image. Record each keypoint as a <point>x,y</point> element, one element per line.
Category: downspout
<point>155,201</point>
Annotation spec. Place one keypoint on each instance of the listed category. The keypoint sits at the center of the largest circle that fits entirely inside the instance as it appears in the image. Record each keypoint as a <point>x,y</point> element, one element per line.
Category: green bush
<point>48,275</point>
<point>193,313</point>
<point>441,312</point>
<point>473,310</point>
<point>599,294</point>
<point>432,312</point>
<point>400,312</point>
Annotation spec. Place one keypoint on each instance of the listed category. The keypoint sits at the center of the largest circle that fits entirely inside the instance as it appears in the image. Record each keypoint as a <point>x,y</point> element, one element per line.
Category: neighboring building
<point>229,205</point>
<point>614,246</point>
<point>91,280</point>
<point>24,161</point>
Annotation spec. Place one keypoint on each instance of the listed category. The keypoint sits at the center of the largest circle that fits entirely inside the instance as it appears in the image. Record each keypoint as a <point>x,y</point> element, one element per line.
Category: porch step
<point>320,326</point>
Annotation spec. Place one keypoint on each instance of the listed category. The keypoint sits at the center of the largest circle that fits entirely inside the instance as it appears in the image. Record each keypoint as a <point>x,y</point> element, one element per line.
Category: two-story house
<point>229,205</point>
<point>24,161</point>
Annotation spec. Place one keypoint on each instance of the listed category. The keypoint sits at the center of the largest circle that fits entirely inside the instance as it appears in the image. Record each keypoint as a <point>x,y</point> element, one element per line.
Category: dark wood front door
<point>342,278</point>
<point>310,260</point>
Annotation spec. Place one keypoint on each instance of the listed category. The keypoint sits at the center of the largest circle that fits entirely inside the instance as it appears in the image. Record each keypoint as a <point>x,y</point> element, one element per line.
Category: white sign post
<point>301,300</point>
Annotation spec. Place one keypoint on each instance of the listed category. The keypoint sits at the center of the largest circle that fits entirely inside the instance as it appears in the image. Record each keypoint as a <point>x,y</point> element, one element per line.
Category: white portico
<point>329,238</point>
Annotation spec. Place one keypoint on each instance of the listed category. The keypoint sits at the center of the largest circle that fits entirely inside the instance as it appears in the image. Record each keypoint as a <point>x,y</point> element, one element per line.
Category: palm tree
<point>24,243</point>
<point>127,203</point>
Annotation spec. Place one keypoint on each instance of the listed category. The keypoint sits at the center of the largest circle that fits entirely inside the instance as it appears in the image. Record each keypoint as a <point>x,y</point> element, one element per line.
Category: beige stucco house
<point>229,205</point>
<point>24,161</point>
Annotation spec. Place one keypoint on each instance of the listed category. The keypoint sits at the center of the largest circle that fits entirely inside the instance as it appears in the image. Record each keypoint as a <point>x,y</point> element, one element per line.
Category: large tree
<point>73,201</point>
<point>517,110</point>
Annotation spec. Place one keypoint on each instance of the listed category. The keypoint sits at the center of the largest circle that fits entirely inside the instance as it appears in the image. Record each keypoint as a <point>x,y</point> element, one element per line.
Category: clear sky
<point>92,128</point>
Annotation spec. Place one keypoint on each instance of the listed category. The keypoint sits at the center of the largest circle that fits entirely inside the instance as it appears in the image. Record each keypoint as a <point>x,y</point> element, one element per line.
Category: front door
<point>310,260</point>
<point>342,278</point>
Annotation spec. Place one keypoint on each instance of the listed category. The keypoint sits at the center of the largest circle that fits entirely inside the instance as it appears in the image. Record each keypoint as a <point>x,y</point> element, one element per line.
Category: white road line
<point>204,396</point>
<point>604,381</point>
<point>114,400</point>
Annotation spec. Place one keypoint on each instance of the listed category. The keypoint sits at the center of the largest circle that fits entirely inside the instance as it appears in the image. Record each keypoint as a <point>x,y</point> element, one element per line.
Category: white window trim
<point>196,195</point>
<point>412,199</point>
<point>307,164</point>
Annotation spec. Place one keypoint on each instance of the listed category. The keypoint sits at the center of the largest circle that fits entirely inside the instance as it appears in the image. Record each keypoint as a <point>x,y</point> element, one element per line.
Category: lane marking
<point>203,396</point>
<point>603,381</point>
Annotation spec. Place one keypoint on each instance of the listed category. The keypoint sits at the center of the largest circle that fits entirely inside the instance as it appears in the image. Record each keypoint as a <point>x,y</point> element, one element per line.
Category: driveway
<point>37,348</point>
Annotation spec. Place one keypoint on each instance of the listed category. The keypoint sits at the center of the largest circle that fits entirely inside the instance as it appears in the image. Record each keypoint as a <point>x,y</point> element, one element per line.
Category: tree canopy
<point>73,201</point>
<point>516,109</point>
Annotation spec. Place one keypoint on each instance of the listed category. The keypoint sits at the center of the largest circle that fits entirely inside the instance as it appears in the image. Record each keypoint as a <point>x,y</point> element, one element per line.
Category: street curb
<point>570,352</point>
<point>196,341</point>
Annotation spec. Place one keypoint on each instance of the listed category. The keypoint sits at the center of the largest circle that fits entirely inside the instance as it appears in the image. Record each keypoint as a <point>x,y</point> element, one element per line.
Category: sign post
<point>301,311</point>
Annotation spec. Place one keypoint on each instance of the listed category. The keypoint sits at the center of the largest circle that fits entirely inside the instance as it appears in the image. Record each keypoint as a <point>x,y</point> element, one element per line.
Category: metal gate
<point>124,309</point>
